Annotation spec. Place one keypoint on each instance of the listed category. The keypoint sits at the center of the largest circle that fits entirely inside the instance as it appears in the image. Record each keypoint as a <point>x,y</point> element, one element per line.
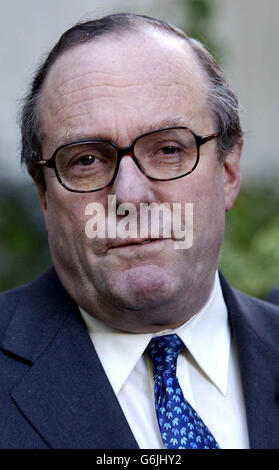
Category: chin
<point>144,287</point>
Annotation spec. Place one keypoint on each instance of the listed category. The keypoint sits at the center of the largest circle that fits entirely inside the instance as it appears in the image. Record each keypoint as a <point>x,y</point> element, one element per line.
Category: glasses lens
<point>86,166</point>
<point>167,154</point>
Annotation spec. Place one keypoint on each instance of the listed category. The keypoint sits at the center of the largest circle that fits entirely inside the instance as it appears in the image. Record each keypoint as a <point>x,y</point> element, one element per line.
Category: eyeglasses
<point>161,155</point>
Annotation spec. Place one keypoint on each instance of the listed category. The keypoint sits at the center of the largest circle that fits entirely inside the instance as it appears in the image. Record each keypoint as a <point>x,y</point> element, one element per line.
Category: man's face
<point>119,88</point>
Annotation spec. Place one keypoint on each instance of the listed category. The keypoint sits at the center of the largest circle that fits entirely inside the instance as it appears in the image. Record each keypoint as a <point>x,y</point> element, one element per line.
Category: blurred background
<point>242,35</point>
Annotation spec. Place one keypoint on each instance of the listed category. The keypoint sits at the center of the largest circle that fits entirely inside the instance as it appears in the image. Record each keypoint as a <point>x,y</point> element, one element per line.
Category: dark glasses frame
<point>126,151</point>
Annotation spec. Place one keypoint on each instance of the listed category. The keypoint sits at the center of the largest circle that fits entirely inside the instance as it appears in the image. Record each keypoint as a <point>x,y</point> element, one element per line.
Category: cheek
<point>65,218</point>
<point>66,221</point>
<point>205,190</point>
<point>209,219</point>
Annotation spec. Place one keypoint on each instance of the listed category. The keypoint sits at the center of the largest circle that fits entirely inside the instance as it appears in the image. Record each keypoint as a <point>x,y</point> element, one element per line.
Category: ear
<point>39,181</point>
<point>42,198</point>
<point>231,174</point>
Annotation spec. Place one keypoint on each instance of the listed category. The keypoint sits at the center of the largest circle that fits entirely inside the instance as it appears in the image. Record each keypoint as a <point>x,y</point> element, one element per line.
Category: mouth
<point>135,243</point>
<point>140,242</point>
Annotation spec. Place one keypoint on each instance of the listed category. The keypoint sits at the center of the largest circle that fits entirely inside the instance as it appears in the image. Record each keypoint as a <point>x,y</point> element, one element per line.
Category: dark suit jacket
<point>55,394</point>
<point>273,296</point>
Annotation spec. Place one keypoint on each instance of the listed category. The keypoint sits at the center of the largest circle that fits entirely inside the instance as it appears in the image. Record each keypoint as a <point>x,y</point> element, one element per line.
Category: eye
<point>86,160</point>
<point>169,150</point>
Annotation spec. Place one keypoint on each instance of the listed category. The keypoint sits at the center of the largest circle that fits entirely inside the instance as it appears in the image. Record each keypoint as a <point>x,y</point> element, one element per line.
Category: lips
<point>133,242</point>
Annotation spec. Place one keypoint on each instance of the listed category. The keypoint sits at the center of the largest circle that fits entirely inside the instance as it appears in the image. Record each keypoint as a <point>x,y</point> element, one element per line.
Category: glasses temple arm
<point>46,163</point>
<point>206,138</point>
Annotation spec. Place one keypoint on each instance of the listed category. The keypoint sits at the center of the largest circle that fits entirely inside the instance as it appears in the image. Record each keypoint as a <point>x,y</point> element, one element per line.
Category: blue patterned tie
<point>181,427</point>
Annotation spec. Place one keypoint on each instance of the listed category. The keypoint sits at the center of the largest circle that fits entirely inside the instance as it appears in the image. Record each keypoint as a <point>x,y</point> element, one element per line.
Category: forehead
<point>132,83</point>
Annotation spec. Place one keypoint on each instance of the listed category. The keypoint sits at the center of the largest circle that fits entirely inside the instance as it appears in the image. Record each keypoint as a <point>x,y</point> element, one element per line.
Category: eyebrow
<point>143,129</point>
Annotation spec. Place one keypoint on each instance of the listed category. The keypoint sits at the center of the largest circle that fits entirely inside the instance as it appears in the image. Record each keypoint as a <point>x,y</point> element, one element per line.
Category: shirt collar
<point>118,351</point>
<point>206,335</point>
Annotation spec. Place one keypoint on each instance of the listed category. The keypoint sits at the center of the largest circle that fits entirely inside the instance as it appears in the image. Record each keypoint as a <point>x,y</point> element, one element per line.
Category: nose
<point>131,185</point>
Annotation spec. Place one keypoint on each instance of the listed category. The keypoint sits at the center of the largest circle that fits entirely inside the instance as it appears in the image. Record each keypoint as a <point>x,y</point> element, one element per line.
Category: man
<point>128,110</point>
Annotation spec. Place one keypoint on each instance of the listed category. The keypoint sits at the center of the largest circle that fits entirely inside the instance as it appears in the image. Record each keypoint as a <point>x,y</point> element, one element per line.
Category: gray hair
<point>222,100</point>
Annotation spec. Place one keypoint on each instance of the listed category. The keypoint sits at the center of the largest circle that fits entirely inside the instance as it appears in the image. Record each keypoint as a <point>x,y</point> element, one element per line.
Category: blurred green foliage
<point>250,255</point>
<point>198,24</point>
<point>23,243</point>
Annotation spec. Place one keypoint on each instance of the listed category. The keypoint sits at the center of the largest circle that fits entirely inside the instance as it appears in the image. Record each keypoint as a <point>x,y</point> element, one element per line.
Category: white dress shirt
<point>207,370</point>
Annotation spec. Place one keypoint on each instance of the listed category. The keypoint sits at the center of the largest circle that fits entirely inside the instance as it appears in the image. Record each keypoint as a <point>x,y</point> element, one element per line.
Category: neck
<point>147,318</point>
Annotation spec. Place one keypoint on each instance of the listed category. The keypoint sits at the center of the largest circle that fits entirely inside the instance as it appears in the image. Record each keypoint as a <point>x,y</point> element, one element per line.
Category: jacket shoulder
<point>10,299</point>
<point>253,317</point>
<point>273,296</point>
<point>256,307</point>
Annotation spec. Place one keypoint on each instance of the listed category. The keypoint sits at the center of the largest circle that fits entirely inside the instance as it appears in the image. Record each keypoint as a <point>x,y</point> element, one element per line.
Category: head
<point>117,78</point>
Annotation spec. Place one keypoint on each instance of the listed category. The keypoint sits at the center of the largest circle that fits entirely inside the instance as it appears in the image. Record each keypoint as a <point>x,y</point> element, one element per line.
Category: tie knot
<point>163,351</point>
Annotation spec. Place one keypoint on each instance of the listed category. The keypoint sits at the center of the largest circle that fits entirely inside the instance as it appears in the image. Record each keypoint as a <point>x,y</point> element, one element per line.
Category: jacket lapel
<point>255,326</point>
<point>65,393</point>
